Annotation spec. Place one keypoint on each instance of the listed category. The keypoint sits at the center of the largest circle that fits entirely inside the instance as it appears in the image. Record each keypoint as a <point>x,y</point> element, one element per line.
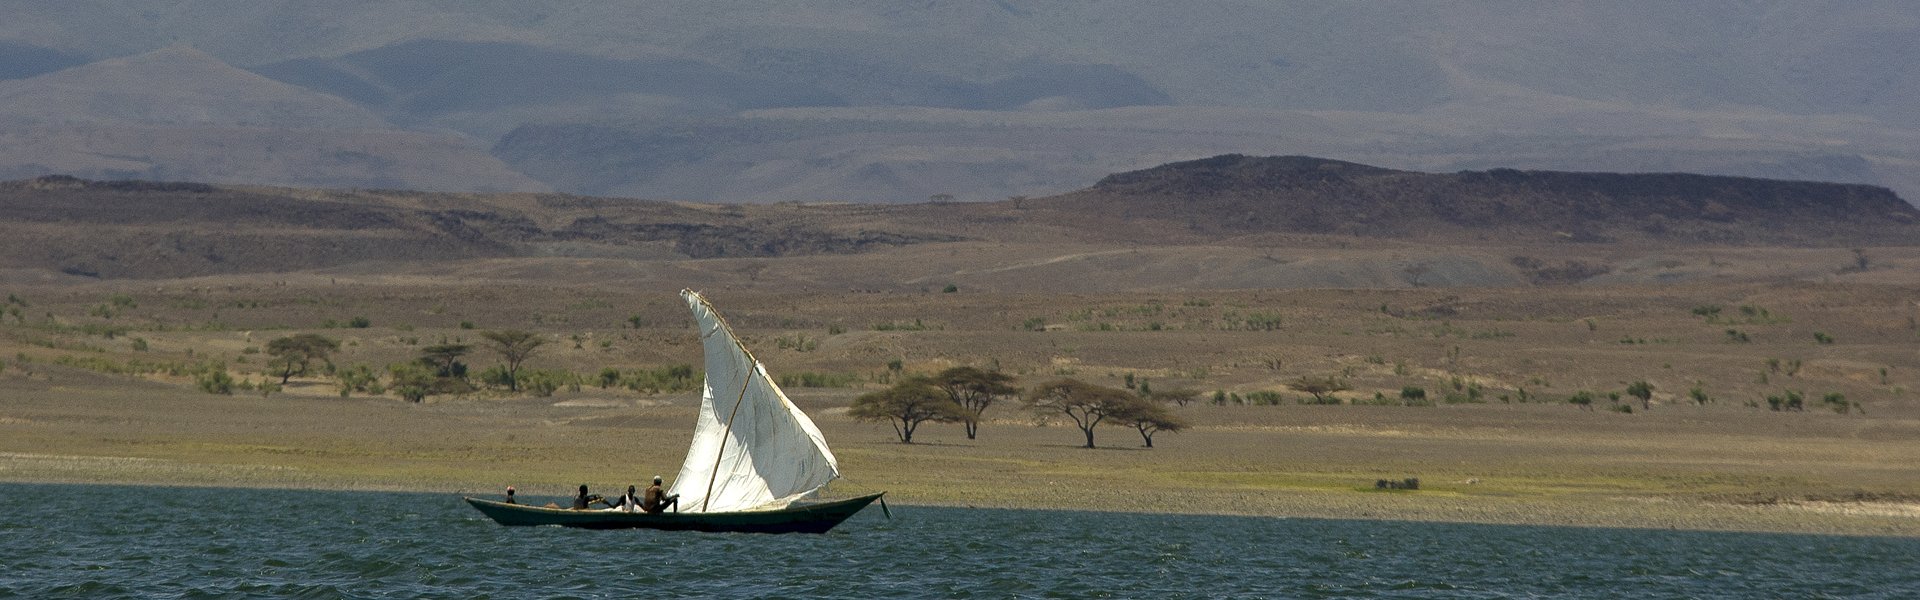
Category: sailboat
<point>757,463</point>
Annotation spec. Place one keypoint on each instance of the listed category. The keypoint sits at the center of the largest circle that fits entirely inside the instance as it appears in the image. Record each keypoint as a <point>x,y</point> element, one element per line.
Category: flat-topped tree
<point>974,390</point>
<point>446,358</point>
<point>906,405</point>
<point>1320,387</point>
<point>1178,397</point>
<point>1085,403</point>
<point>514,346</point>
<point>293,355</point>
<point>1148,417</point>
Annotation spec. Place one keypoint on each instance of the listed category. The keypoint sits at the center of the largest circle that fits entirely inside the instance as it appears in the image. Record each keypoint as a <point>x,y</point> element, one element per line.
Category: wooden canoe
<point>799,518</point>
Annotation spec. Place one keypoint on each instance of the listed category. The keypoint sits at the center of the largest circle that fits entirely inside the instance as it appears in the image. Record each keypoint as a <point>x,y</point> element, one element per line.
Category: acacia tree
<point>1319,387</point>
<point>906,405</point>
<point>293,355</point>
<point>974,390</point>
<point>514,346</point>
<point>446,358</point>
<point>1085,403</point>
<point>1148,417</point>
<point>1179,397</point>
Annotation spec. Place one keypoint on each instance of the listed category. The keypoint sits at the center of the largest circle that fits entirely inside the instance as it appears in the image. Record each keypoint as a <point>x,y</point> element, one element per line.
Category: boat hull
<point>808,518</point>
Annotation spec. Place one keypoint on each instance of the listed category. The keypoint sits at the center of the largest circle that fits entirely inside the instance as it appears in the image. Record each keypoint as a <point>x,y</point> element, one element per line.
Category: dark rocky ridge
<point>141,229</point>
<point>1235,194</point>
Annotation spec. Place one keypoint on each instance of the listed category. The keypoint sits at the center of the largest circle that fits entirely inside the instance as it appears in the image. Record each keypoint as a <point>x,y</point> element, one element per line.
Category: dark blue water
<point>60,541</point>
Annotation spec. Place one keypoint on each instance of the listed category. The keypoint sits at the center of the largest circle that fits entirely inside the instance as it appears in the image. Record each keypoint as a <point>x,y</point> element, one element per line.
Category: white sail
<point>752,447</point>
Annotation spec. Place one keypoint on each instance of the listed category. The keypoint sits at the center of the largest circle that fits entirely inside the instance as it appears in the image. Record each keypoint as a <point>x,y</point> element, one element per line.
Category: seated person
<point>628,502</point>
<point>657,499</point>
<point>510,495</point>
<point>584,501</point>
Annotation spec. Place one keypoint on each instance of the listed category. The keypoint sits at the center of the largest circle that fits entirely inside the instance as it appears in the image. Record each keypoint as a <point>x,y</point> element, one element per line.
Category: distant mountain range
<point>874,101</point>
<point>137,229</point>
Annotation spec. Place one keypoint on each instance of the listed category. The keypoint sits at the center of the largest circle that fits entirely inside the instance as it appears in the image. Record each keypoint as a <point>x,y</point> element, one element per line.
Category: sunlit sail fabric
<point>772,453</point>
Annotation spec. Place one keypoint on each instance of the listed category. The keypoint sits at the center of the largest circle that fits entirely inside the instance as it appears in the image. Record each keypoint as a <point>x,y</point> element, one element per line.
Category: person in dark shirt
<point>510,495</point>
<point>628,502</point>
<point>584,500</point>
<point>657,500</point>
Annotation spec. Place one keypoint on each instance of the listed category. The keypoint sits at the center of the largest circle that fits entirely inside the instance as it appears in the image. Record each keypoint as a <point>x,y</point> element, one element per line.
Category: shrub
<point>1822,338</point>
<point>1582,399</point>
<point>1263,321</point>
<point>359,322</point>
<point>139,344</point>
<point>1622,408</point>
<point>1836,401</point>
<point>495,377</point>
<point>890,326</point>
<point>466,324</point>
<point>818,380</point>
<point>1643,391</point>
<point>673,379</point>
<point>411,393</point>
<point>951,288</point>
<point>544,382</point>
<point>216,382</point>
<point>1266,398</point>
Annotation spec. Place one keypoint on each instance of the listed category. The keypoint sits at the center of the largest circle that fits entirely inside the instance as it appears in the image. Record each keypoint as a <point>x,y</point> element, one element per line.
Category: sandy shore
<point>1541,465</point>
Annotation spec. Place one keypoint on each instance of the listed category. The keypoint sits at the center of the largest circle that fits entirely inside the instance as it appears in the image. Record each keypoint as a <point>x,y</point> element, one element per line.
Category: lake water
<point>67,541</point>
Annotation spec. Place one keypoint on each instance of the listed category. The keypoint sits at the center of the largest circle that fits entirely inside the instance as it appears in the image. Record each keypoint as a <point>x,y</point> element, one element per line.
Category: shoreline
<point>1863,518</point>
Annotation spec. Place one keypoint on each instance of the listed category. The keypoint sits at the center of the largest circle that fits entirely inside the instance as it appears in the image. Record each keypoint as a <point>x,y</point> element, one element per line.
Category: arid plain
<point>1730,463</point>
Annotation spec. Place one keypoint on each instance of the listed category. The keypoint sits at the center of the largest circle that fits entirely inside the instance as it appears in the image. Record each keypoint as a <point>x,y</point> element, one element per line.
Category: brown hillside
<point>1208,224</point>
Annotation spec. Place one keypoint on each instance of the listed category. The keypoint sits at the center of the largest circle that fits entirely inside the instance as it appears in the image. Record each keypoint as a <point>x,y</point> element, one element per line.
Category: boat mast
<point>721,452</point>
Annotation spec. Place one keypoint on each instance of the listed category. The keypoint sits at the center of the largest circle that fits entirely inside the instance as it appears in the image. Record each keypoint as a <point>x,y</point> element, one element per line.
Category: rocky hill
<point>1237,195</point>
<point>139,229</point>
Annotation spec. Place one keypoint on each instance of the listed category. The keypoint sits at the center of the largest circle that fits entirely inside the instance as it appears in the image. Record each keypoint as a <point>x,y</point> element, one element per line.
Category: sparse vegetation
<point>818,380</point>
<point>916,325</point>
<point>1643,391</point>
<point>906,405</point>
<point>515,347</point>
